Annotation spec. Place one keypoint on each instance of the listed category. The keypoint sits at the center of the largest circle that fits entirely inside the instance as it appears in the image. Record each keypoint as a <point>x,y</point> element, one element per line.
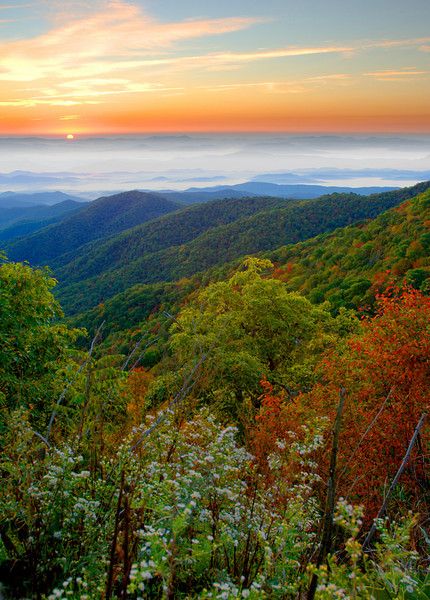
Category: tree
<point>385,369</point>
<point>248,327</point>
<point>34,346</point>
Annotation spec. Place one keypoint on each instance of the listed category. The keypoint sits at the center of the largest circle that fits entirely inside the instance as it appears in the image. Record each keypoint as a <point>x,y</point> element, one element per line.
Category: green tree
<point>35,348</point>
<point>250,327</point>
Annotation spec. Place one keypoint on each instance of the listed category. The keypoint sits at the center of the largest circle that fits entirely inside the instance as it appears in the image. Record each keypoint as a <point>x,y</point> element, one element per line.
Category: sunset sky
<point>226,65</point>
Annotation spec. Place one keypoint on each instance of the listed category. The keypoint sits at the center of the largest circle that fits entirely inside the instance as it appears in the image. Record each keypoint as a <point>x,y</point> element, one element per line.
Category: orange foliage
<point>386,373</point>
<point>138,383</point>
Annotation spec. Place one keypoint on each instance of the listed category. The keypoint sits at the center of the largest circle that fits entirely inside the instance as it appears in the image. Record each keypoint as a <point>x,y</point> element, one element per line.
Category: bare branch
<point>360,441</point>
<point>73,379</point>
<point>135,349</point>
<point>40,436</point>
<point>186,387</point>
<point>402,467</point>
<point>326,541</point>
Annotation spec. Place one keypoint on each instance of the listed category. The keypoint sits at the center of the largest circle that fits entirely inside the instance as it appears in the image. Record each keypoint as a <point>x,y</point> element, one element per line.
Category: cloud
<point>294,86</point>
<point>31,102</point>
<point>116,48</point>
<point>271,87</point>
<point>235,57</point>
<point>77,61</point>
<point>108,37</point>
<point>396,75</point>
<point>402,43</point>
<point>229,60</point>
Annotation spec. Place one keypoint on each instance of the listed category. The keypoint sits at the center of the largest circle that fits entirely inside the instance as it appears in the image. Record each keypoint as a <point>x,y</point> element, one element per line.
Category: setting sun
<point>70,136</point>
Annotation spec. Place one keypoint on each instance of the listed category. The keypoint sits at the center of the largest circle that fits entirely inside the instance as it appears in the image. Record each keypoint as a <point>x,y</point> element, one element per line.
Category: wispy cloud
<point>30,102</point>
<point>271,87</point>
<point>397,75</point>
<point>116,48</point>
<point>235,57</point>
<point>15,6</point>
<point>121,31</point>
<point>401,43</point>
<point>294,86</point>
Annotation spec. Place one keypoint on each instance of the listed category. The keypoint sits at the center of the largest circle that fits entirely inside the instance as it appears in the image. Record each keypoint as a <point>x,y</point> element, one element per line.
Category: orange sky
<point>120,67</point>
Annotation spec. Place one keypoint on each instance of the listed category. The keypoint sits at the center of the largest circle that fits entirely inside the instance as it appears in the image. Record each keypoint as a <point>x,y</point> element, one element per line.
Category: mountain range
<point>21,200</point>
<point>22,221</point>
<point>101,218</point>
<point>102,248</point>
<point>263,188</point>
<point>347,267</point>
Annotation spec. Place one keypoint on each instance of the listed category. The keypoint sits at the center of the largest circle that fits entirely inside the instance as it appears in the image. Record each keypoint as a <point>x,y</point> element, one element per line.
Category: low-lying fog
<point>88,166</point>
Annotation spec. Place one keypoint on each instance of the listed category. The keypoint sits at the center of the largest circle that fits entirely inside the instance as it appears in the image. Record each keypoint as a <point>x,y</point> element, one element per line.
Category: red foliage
<point>386,372</point>
<point>270,426</point>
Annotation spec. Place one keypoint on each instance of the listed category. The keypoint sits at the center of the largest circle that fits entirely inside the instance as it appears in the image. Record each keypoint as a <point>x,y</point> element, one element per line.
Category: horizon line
<point>177,133</point>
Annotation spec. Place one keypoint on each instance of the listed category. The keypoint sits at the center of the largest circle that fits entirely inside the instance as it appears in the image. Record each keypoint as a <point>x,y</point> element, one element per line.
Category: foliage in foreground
<point>104,498</point>
<point>188,516</point>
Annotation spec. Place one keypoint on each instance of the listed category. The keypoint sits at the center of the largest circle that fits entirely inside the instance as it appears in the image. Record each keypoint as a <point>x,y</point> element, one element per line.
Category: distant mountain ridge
<point>101,218</point>
<point>25,199</point>
<point>16,222</point>
<point>263,188</point>
<point>193,195</point>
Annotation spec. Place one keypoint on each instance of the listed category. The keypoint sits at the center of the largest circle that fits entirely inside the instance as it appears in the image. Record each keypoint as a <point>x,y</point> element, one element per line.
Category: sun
<point>70,136</point>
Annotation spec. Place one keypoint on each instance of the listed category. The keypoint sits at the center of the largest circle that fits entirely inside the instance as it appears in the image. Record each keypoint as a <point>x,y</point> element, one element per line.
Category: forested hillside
<point>351,265</point>
<point>201,237</point>
<point>229,435</point>
<point>103,217</point>
<point>347,267</point>
<point>19,222</point>
<point>168,231</point>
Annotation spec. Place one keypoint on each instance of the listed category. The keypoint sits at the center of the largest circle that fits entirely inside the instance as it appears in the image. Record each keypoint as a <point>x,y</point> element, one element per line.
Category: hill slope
<point>171,230</point>
<point>102,217</point>
<point>16,222</point>
<point>350,265</point>
<point>347,267</point>
<point>111,267</point>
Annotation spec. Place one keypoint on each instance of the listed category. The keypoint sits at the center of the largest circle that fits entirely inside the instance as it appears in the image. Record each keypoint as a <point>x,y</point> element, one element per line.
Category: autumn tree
<point>385,369</point>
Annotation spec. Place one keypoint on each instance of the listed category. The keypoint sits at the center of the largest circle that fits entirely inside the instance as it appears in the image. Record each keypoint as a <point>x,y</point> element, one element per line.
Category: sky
<point>122,66</point>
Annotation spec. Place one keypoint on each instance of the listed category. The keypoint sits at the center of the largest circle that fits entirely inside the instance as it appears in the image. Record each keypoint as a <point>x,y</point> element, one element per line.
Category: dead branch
<point>400,470</point>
